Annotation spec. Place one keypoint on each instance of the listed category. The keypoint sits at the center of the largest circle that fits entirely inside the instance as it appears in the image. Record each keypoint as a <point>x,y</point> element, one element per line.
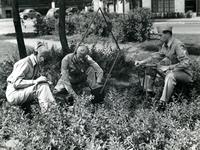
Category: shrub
<point>44,27</point>
<point>196,75</point>
<point>99,27</point>
<point>138,25</point>
<point>105,58</point>
<point>135,27</point>
<point>151,46</point>
<point>121,122</point>
<point>193,49</point>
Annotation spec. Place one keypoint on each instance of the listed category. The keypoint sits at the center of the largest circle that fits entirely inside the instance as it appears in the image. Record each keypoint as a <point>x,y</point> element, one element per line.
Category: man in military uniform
<point>174,63</point>
<point>24,85</point>
<point>78,68</point>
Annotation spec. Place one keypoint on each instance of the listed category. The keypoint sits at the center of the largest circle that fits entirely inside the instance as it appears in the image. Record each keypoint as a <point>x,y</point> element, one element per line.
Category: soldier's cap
<point>85,50</point>
<point>163,29</point>
<point>42,48</point>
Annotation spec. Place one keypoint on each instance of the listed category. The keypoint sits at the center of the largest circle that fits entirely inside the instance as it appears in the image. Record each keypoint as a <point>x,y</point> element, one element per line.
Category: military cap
<point>162,29</point>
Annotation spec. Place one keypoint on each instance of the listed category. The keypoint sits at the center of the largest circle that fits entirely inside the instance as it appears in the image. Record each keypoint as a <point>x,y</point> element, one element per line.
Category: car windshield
<point>28,10</point>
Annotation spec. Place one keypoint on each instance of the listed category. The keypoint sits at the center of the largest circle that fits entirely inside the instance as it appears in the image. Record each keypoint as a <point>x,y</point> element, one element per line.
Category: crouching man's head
<point>42,53</point>
<point>82,51</point>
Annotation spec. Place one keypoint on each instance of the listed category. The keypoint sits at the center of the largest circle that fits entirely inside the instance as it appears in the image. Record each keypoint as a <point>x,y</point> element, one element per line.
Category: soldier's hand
<point>75,96</point>
<point>138,63</point>
<point>41,79</point>
<point>163,68</point>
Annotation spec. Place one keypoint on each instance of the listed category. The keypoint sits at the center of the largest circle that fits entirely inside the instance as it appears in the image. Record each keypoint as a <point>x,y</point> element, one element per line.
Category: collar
<point>78,60</point>
<point>170,41</point>
<point>33,59</point>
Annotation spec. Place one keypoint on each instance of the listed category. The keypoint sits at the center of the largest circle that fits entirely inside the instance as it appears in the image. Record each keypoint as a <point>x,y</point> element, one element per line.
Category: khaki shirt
<point>175,55</point>
<point>74,70</point>
<point>24,70</point>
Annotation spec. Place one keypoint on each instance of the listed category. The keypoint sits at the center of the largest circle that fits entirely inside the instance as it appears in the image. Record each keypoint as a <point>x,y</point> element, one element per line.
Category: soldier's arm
<point>182,56</point>
<point>97,68</point>
<point>65,76</point>
<point>155,56</point>
<point>19,74</point>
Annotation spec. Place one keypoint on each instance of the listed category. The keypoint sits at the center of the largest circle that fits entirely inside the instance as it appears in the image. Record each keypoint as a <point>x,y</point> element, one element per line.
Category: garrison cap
<point>42,48</point>
<point>162,29</point>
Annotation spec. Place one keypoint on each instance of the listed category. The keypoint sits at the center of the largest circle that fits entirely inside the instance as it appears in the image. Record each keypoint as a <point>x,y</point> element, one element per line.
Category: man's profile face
<point>41,56</point>
<point>82,51</point>
<point>165,37</point>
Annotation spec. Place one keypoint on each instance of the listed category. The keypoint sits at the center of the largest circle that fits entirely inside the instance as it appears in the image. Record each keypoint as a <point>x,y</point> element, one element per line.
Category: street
<point>182,28</point>
<point>6,26</point>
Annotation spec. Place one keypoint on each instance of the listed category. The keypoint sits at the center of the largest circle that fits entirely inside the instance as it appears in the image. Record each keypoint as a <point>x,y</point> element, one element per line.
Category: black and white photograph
<point>99,74</point>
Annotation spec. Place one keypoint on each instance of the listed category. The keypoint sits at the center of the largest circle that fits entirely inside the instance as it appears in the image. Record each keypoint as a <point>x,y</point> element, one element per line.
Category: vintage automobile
<point>29,13</point>
<point>52,13</point>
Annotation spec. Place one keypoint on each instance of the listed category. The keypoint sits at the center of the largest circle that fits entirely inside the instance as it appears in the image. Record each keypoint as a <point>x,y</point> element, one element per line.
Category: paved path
<point>7,26</point>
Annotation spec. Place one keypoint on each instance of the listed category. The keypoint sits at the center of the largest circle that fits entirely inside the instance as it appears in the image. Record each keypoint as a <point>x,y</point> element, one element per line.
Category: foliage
<point>138,25</point>
<point>106,56</point>
<point>44,26</point>
<point>122,122</point>
<point>193,49</point>
<point>134,28</point>
<point>155,45</point>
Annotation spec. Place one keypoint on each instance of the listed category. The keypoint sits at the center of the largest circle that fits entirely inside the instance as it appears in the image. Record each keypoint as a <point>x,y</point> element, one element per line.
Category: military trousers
<point>40,91</point>
<point>170,80</point>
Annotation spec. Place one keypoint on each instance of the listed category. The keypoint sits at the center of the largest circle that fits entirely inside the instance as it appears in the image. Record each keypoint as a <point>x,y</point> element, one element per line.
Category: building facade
<point>156,6</point>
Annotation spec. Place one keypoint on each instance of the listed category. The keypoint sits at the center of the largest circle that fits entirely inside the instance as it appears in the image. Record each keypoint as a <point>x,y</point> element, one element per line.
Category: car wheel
<point>25,17</point>
<point>38,16</point>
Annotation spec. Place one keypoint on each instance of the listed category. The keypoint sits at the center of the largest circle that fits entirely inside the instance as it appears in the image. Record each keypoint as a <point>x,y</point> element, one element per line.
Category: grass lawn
<point>7,50</point>
<point>186,38</point>
<point>10,50</point>
<point>189,38</point>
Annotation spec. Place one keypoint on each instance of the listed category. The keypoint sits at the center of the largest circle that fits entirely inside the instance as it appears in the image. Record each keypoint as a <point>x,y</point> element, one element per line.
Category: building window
<point>163,6</point>
<point>8,13</point>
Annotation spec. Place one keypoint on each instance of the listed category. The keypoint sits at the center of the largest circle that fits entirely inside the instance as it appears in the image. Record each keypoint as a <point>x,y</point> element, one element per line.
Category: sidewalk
<point>195,20</point>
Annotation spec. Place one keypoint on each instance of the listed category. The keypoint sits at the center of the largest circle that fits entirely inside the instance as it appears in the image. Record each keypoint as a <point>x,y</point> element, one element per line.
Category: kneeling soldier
<point>77,68</point>
<point>23,84</point>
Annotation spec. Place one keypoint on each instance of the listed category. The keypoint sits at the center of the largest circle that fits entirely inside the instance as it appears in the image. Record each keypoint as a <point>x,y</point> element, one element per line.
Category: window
<point>163,6</point>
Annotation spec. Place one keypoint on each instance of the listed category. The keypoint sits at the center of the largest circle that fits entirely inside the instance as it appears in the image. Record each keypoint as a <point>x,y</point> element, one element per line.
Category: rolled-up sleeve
<point>65,75</point>
<point>97,68</point>
<point>19,74</point>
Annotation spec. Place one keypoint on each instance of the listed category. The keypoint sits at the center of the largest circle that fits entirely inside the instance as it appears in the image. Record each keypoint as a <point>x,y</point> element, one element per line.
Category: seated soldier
<point>22,84</point>
<point>77,68</point>
<point>173,62</point>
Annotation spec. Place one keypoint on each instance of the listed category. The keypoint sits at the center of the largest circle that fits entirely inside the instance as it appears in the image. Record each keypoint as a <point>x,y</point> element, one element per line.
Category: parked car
<point>71,10</point>
<point>52,13</point>
<point>29,13</point>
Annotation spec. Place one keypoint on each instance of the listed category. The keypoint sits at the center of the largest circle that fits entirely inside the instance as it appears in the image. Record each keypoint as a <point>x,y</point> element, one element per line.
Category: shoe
<point>162,106</point>
<point>150,94</point>
<point>69,100</point>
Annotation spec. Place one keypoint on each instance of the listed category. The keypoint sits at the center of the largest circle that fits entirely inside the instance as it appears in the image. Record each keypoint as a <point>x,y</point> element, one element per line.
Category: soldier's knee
<point>170,77</point>
<point>42,85</point>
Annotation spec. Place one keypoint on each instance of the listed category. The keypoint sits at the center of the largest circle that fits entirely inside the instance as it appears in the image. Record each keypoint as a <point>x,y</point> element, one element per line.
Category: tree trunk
<point>62,33</point>
<point>18,29</point>
<point>114,5</point>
